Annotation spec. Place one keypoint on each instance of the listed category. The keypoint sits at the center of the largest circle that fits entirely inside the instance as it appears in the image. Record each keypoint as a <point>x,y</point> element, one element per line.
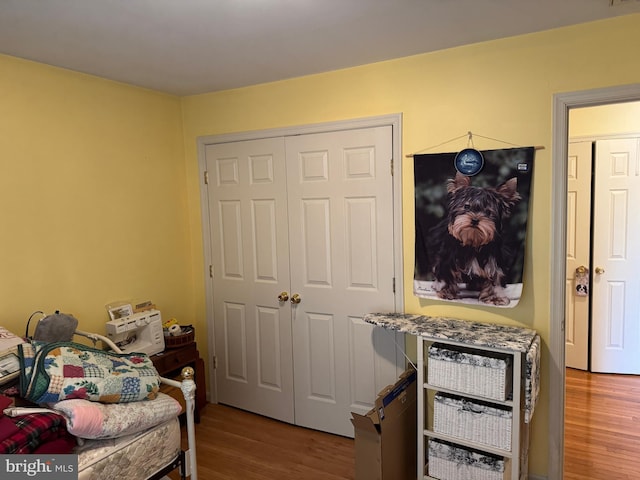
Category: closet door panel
<point>250,253</point>
<point>341,249</point>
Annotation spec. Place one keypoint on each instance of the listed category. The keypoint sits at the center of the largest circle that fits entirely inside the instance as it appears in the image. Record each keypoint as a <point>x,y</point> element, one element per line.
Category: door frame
<point>562,103</point>
<point>393,120</point>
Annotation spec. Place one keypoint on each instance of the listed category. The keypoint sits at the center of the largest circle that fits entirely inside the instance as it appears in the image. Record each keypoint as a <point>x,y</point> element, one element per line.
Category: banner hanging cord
<point>470,140</point>
<point>469,136</point>
<point>495,140</point>
<point>438,145</point>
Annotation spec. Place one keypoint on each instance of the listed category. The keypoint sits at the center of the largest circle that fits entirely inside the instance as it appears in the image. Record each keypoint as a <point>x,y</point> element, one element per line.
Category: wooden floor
<point>602,439</point>
<point>236,445</point>
<point>602,426</point>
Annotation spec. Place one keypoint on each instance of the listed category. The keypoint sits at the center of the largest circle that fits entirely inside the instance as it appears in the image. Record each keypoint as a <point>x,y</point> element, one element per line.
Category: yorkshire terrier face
<point>475,214</point>
<point>470,249</point>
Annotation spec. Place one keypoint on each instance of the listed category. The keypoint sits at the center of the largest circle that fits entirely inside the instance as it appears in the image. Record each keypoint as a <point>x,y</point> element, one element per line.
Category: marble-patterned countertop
<point>464,331</point>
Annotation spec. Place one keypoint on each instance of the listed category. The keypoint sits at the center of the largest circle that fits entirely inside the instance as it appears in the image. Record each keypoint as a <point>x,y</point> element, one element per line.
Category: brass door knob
<point>599,270</point>
<point>283,297</point>
<point>295,299</point>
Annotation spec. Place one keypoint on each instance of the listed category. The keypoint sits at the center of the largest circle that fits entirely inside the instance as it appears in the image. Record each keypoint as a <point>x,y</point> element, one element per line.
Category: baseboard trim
<point>537,477</point>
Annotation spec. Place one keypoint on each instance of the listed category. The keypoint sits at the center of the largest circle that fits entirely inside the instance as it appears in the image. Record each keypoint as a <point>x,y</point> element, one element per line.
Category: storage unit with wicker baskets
<point>473,419</point>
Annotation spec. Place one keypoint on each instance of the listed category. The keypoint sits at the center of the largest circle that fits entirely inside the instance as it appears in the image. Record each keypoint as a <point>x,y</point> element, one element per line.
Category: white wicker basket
<point>475,421</point>
<point>482,373</point>
<point>448,462</point>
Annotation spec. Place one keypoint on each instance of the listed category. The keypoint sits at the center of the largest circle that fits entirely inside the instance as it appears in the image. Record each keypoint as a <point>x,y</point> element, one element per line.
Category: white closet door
<point>341,256</point>
<point>310,215</point>
<point>252,328</point>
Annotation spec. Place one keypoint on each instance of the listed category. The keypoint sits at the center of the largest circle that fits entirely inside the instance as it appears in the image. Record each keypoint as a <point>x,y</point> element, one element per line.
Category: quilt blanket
<point>51,372</point>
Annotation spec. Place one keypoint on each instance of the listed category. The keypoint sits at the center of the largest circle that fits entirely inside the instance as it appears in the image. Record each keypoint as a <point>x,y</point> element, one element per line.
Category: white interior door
<point>616,258</point>
<point>252,328</point>
<point>341,244</point>
<point>310,215</point>
<point>578,252</point>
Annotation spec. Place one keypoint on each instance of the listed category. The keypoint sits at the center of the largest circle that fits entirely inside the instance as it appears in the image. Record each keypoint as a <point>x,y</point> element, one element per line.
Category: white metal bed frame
<point>187,386</point>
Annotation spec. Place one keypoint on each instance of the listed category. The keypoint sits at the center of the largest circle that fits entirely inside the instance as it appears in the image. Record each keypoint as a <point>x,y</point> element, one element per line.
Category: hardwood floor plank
<point>602,420</point>
<point>233,444</point>
<point>602,439</point>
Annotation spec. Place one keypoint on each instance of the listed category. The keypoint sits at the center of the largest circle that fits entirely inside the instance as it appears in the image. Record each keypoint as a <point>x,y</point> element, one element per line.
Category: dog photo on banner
<point>471,212</point>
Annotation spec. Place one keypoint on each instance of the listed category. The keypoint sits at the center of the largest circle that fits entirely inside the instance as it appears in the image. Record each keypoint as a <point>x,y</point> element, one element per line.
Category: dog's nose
<point>474,222</point>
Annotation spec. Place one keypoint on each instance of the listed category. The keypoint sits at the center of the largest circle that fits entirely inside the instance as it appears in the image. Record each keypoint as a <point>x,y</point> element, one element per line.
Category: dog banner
<point>471,212</point>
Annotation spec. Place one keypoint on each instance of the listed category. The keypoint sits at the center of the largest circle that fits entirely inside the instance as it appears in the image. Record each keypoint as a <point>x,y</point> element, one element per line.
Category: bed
<point>137,440</point>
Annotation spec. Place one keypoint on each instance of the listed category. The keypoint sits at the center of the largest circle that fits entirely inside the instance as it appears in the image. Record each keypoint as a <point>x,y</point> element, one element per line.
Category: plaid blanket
<point>34,433</point>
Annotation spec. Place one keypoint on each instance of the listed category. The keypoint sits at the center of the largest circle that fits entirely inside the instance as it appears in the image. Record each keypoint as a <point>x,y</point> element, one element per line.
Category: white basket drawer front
<point>484,374</point>
<point>448,462</point>
<point>474,421</point>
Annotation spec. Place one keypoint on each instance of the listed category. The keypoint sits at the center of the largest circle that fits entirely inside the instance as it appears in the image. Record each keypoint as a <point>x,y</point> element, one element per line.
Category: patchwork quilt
<point>56,371</point>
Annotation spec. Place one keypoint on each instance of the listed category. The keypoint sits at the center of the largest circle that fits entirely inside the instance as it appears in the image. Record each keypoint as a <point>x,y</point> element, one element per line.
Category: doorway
<point>301,241</point>
<point>562,104</point>
<point>603,191</point>
<point>601,320</point>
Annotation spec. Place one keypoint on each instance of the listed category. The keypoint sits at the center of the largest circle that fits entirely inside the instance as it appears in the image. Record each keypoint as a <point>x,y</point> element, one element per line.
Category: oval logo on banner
<point>469,162</point>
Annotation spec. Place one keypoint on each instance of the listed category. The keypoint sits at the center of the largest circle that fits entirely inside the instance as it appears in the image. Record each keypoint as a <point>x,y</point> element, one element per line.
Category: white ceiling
<point>188,47</point>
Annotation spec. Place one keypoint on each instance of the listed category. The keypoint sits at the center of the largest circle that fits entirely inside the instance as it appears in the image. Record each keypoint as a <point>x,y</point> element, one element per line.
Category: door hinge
<point>215,362</point>
<point>206,178</point>
<point>210,271</point>
<point>391,162</point>
<point>394,284</point>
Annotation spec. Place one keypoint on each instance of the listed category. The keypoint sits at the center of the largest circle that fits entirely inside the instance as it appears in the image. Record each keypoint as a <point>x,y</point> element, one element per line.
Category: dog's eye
<point>467,206</point>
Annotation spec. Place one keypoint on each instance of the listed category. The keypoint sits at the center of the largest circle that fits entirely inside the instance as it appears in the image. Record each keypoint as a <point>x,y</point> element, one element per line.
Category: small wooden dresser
<point>170,363</point>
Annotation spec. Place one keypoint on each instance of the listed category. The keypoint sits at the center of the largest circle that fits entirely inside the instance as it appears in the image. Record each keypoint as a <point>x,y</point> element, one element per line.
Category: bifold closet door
<point>341,256</point>
<point>249,232</point>
<point>310,216</point>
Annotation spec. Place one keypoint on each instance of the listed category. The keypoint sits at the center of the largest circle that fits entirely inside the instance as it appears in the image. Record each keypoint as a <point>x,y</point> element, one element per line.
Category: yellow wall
<point>500,89</point>
<point>99,185</point>
<point>92,197</point>
<point>615,119</point>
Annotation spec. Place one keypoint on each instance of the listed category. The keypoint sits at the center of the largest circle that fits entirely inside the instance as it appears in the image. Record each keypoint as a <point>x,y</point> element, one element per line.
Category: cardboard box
<point>386,437</point>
